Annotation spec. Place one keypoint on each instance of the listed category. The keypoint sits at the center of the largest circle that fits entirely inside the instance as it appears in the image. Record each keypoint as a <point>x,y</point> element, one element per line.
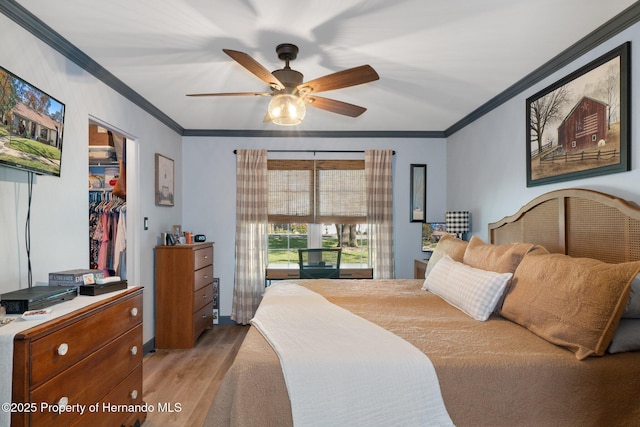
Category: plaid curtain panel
<point>378,170</point>
<point>251,233</point>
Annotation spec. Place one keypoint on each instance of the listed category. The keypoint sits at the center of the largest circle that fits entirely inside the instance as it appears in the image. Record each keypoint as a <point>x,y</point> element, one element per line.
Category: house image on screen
<point>35,125</point>
<point>584,126</point>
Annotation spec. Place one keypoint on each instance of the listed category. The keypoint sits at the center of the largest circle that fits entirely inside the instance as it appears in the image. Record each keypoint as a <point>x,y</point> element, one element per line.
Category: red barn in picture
<point>584,126</point>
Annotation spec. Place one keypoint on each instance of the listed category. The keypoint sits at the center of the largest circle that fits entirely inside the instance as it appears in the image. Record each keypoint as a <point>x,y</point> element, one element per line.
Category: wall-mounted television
<point>431,233</point>
<point>31,127</point>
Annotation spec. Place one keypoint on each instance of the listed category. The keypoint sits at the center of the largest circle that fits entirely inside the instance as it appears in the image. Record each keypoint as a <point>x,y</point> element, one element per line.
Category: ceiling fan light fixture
<point>287,110</point>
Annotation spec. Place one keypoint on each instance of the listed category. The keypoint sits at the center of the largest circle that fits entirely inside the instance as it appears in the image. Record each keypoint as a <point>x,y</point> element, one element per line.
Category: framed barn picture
<point>579,126</point>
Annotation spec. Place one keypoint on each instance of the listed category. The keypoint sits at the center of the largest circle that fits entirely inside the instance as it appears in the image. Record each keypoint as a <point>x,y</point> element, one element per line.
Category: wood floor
<point>185,381</point>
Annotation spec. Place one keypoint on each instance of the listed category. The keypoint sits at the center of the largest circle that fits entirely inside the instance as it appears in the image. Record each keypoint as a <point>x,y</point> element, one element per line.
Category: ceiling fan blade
<point>255,67</point>
<point>231,94</point>
<point>334,106</point>
<point>345,78</point>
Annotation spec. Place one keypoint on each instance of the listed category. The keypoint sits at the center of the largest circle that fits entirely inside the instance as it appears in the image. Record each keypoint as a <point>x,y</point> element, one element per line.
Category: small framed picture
<point>164,181</point>
<point>176,230</point>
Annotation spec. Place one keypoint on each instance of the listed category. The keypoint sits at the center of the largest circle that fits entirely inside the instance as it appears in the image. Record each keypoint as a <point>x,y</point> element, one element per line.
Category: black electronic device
<point>35,298</point>
<point>199,238</point>
<point>103,288</point>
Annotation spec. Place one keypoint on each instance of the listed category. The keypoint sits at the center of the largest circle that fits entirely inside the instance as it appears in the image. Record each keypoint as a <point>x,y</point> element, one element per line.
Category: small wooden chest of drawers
<point>419,268</point>
<point>184,294</point>
<point>91,357</point>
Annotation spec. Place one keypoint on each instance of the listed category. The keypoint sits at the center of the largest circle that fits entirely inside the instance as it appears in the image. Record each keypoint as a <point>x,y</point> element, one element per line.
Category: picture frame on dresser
<point>431,234</point>
<point>579,126</point>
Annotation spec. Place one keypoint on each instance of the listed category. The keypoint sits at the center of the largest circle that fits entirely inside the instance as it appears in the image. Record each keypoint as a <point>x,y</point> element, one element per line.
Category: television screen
<point>431,233</point>
<point>31,125</point>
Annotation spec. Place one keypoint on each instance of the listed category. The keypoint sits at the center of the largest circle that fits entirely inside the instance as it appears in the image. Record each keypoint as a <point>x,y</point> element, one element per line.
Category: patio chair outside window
<point>319,263</point>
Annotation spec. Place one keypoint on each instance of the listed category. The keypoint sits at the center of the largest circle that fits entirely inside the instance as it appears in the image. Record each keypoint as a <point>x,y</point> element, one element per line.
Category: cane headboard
<point>576,222</point>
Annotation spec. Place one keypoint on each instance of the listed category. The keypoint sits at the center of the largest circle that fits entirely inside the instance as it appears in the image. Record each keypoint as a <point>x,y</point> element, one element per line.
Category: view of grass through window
<point>286,239</point>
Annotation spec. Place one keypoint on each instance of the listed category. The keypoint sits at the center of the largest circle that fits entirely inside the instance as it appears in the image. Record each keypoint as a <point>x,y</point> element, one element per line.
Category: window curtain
<point>317,191</point>
<point>379,199</point>
<point>251,233</point>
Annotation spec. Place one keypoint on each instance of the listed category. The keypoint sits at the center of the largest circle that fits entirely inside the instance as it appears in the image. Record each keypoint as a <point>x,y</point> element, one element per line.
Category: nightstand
<point>419,268</point>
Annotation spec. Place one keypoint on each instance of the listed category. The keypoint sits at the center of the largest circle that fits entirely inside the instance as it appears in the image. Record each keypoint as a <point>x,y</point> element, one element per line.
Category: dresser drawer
<point>202,257</point>
<point>202,277</point>
<point>87,381</point>
<point>202,296</point>
<point>62,348</point>
<point>128,392</point>
<point>202,319</point>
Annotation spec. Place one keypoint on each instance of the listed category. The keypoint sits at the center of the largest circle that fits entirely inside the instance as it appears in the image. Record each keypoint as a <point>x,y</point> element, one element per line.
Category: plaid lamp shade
<point>457,222</point>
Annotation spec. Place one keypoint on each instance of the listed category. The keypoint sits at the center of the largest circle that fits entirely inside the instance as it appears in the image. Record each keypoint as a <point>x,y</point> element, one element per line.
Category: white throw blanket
<point>341,369</point>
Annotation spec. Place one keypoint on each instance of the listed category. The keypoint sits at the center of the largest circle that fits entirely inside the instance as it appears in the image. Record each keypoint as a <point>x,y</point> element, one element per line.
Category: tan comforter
<point>492,373</point>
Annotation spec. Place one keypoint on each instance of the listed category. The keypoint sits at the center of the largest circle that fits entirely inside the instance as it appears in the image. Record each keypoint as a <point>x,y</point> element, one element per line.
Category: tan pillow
<point>498,258</point>
<point>572,302</point>
<point>447,245</point>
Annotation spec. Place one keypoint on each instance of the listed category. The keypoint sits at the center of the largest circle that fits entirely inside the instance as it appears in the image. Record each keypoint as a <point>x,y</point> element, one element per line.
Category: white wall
<point>486,169</point>
<point>59,211</point>
<point>210,185</point>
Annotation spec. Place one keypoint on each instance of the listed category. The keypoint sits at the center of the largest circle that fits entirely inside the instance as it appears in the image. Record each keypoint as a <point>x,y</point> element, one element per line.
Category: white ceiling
<point>438,60</point>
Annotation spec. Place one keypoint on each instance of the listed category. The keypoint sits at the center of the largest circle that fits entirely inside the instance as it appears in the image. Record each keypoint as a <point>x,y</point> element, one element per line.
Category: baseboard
<point>226,320</point>
<point>149,346</point>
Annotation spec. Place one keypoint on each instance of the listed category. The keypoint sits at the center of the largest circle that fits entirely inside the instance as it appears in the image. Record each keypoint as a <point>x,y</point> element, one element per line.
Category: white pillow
<point>633,306</point>
<point>472,290</point>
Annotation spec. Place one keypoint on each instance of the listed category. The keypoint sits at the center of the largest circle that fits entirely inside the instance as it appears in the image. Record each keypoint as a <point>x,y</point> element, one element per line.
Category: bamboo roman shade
<point>316,191</point>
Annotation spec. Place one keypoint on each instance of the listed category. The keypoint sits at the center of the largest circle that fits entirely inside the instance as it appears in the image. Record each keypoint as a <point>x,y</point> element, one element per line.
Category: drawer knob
<point>134,311</point>
<point>63,349</point>
<point>206,276</point>
<point>134,394</point>
<point>64,401</point>
<point>134,350</point>
<point>204,316</point>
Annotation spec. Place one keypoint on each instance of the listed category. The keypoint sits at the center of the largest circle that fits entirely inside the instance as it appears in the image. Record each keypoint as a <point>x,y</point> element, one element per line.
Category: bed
<point>517,367</point>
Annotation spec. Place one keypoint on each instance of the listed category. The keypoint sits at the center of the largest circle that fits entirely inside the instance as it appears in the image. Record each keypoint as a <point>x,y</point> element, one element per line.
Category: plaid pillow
<point>474,291</point>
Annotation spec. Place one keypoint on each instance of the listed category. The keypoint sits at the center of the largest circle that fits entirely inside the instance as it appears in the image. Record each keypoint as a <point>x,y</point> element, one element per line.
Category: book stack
<point>75,277</point>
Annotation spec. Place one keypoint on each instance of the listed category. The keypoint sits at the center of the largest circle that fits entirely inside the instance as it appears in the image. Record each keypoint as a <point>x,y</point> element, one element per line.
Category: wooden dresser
<point>184,294</point>
<point>91,357</point>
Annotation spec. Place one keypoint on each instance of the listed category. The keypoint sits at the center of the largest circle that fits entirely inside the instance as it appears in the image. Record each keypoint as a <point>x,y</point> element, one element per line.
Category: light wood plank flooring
<point>187,380</point>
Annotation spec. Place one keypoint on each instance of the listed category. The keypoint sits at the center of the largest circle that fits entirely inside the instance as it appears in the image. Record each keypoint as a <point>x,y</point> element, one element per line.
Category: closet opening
<point>108,200</point>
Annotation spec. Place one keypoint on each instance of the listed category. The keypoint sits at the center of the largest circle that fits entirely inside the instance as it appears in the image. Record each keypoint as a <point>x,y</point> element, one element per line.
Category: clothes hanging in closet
<point>107,223</point>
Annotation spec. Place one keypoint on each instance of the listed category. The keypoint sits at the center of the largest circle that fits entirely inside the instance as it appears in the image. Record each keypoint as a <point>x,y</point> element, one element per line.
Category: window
<point>284,240</point>
<point>317,203</point>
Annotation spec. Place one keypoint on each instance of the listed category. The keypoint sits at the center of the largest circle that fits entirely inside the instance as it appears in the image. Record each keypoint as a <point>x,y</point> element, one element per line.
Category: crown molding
<point>247,133</point>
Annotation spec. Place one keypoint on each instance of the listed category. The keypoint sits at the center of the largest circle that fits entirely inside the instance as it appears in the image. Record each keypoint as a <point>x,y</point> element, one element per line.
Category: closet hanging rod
<point>313,151</point>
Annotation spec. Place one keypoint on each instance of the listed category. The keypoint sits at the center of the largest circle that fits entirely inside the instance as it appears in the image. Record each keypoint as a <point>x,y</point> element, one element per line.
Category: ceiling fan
<point>290,94</point>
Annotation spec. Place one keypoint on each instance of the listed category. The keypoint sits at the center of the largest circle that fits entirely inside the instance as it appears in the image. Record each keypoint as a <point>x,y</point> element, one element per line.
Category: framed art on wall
<point>418,195</point>
<point>164,181</point>
<point>579,126</point>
